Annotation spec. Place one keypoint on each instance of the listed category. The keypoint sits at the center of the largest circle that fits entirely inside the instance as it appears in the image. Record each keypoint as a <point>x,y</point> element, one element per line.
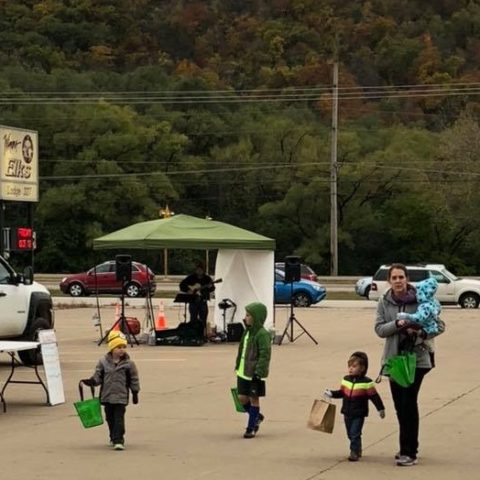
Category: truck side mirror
<point>28,276</point>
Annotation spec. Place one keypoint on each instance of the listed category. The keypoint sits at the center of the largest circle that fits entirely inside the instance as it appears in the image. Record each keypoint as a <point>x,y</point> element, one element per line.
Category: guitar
<point>197,289</point>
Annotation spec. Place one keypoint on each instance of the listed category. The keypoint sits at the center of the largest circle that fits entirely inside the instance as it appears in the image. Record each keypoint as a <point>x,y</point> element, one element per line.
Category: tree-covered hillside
<point>223,108</point>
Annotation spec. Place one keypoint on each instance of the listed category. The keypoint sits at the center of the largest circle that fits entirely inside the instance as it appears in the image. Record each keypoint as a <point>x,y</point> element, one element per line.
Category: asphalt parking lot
<point>185,426</point>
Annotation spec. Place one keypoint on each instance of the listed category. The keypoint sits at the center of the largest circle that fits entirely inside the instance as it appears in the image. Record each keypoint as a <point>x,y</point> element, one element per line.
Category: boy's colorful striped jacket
<point>356,391</point>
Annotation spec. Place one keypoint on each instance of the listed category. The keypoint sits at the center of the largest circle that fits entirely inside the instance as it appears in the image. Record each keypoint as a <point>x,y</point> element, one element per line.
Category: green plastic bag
<point>401,369</point>
<point>89,411</point>
<point>238,404</point>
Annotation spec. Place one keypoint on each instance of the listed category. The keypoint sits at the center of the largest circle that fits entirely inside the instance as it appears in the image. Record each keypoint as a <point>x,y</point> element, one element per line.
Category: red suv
<point>102,279</point>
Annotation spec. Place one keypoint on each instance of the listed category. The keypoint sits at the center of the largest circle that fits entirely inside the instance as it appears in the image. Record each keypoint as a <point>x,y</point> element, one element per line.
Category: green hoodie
<point>257,343</point>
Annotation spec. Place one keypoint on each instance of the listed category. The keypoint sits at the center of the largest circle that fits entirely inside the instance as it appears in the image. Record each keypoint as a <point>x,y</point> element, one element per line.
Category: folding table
<point>12,347</point>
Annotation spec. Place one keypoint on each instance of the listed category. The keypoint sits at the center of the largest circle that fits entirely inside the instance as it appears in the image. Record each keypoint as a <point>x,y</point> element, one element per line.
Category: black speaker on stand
<point>123,268</point>
<point>293,270</point>
<point>123,273</point>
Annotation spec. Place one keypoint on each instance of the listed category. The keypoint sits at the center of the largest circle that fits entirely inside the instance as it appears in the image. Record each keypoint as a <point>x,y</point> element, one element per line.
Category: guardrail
<point>57,277</point>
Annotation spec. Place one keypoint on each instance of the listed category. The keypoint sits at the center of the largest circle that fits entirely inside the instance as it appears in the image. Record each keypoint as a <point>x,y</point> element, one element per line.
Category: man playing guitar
<point>201,286</point>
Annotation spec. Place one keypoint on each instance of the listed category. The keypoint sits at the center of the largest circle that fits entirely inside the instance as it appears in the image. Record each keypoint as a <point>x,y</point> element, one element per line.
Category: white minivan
<point>451,289</point>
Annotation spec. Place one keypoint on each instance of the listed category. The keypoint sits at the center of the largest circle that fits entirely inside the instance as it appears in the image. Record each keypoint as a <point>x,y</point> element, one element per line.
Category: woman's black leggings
<point>406,406</point>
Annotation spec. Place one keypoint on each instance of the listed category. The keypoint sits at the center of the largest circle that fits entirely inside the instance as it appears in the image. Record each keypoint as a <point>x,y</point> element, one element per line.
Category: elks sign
<point>18,164</point>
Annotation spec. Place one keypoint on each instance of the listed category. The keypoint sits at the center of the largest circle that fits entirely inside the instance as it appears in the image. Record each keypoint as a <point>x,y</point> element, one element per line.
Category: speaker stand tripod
<point>122,324</point>
<point>289,326</point>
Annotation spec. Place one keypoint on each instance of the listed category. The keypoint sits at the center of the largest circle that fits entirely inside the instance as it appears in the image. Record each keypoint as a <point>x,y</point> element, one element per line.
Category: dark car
<point>306,272</point>
<point>303,293</point>
<point>103,279</point>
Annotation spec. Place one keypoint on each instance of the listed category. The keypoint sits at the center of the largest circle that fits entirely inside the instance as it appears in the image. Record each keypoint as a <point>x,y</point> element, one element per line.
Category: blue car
<point>304,294</point>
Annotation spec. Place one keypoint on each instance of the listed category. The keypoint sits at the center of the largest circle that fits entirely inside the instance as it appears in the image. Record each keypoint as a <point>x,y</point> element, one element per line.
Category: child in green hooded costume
<point>253,360</point>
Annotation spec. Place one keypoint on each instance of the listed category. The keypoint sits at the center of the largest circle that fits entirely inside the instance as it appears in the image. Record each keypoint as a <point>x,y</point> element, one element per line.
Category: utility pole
<point>333,175</point>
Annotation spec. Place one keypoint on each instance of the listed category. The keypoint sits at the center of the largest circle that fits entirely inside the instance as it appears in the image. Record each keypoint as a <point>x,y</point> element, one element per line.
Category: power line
<point>253,90</point>
<point>174,114</point>
<point>254,168</point>
<point>237,162</point>
<point>206,98</point>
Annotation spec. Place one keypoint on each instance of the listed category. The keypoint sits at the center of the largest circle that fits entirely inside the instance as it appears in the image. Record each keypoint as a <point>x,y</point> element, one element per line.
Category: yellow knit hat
<point>116,339</point>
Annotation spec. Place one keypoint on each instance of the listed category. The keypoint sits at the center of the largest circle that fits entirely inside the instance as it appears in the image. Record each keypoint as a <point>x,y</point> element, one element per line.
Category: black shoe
<point>249,433</point>
<point>260,419</point>
<point>353,457</point>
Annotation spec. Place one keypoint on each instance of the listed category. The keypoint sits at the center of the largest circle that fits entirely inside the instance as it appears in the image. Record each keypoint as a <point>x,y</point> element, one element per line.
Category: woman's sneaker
<point>406,461</point>
<point>249,433</point>
<point>119,446</point>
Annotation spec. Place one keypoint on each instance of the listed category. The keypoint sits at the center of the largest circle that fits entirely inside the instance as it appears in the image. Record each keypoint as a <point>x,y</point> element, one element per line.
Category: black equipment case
<point>234,332</point>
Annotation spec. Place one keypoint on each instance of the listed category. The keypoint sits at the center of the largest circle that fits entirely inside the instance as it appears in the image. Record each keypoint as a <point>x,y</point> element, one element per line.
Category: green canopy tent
<point>183,231</point>
<point>245,260</point>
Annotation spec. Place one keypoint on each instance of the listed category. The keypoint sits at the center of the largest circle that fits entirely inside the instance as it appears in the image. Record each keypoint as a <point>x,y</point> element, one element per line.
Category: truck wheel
<point>34,357</point>
<point>469,300</point>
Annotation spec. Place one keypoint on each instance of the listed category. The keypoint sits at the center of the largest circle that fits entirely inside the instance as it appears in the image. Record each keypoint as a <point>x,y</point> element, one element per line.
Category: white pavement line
<point>78,370</point>
<point>140,360</point>
<point>137,360</point>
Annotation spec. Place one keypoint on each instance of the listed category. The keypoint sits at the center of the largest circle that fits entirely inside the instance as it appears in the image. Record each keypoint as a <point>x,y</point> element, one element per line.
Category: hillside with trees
<point>223,108</point>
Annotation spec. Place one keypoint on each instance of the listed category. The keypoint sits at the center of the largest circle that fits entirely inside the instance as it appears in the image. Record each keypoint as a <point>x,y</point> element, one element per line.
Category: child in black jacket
<point>356,389</point>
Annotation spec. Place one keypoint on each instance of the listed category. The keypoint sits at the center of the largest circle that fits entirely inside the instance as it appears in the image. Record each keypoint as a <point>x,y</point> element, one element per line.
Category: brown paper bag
<point>322,416</point>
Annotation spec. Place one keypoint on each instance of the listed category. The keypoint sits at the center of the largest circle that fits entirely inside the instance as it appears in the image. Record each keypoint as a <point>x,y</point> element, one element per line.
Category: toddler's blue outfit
<point>428,307</point>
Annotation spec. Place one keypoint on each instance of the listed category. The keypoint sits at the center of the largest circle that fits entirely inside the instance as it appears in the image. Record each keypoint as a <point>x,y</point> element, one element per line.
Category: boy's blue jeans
<point>354,427</point>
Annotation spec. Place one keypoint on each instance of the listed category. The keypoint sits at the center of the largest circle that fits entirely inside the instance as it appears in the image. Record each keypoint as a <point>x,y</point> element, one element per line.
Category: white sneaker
<point>406,461</point>
<point>119,446</point>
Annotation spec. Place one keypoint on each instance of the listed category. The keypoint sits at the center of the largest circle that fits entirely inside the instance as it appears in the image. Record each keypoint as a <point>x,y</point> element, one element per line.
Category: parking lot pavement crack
<point>317,476</point>
<point>453,400</point>
<point>188,387</point>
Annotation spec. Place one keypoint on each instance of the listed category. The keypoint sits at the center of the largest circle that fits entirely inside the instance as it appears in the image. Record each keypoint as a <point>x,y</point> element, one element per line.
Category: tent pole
<point>165,262</point>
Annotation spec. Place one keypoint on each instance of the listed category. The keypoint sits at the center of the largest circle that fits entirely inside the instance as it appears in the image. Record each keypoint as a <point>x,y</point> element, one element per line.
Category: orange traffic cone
<point>116,326</point>
<point>161,321</point>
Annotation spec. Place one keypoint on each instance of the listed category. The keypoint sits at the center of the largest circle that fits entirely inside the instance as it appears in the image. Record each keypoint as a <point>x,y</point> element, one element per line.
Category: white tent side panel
<point>248,276</point>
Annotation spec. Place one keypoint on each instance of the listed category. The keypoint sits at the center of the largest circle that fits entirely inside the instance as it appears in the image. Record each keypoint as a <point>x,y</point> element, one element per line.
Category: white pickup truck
<point>25,308</point>
<point>451,289</point>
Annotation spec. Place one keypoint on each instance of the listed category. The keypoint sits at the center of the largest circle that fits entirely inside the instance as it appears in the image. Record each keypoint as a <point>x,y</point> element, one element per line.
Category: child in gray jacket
<point>116,374</point>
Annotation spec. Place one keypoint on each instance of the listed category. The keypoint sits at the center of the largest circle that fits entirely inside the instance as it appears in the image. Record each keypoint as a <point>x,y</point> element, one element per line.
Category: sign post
<point>18,164</point>
<point>18,172</point>
<point>51,365</point>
